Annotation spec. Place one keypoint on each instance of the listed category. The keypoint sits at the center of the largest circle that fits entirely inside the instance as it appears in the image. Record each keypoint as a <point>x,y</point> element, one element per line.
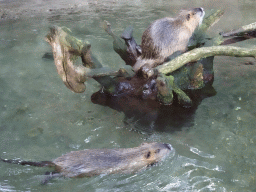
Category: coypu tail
<point>36,164</point>
<point>49,175</point>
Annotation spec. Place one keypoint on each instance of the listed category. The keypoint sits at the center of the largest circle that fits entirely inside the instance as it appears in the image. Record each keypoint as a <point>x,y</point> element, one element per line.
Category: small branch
<point>203,52</point>
<point>235,40</point>
<point>226,38</point>
<point>241,34</point>
<point>85,72</point>
<point>211,20</point>
<point>244,30</point>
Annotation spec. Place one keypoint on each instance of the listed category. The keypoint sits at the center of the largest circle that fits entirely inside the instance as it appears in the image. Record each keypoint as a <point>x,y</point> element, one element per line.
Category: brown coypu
<point>167,36</point>
<point>91,162</point>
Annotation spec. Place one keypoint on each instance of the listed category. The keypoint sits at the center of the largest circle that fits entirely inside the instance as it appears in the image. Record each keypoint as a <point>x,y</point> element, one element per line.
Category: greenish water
<point>41,119</point>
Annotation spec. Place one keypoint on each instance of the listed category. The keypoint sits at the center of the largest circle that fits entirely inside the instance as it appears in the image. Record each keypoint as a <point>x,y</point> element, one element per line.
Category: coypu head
<point>155,152</point>
<point>192,17</point>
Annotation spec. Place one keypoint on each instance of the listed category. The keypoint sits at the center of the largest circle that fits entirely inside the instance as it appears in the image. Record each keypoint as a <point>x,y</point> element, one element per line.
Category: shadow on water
<point>148,115</point>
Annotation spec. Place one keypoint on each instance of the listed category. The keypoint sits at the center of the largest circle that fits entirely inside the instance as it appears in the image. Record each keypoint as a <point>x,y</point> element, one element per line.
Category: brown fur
<point>92,162</point>
<point>166,36</point>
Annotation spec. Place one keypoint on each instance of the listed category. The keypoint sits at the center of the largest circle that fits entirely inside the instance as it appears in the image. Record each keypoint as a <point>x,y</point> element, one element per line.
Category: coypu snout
<point>200,10</point>
<point>164,146</point>
<point>168,146</point>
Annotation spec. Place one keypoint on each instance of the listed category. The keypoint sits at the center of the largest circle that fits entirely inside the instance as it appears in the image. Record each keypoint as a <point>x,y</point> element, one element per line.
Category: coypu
<point>91,162</point>
<point>168,36</point>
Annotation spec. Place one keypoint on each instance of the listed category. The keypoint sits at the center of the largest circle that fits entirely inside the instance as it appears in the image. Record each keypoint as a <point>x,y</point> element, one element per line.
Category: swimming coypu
<point>167,36</point>
<point>91,162</point>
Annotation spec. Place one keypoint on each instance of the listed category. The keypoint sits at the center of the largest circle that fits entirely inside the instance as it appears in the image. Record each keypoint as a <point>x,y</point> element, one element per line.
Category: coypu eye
<point>148,155</point>
<point>158,150</point>
<point>188,16</point>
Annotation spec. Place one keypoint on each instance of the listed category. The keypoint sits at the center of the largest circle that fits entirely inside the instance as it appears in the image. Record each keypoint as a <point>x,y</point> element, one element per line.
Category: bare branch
<point>211,20</point>
<point>244,30</point>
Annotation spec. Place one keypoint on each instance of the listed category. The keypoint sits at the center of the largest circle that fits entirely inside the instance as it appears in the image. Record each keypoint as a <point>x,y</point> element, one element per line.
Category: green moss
<point>166,87</point>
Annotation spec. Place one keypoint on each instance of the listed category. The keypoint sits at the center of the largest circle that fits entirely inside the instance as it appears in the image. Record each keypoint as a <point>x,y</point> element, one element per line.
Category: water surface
<point>41,119</point>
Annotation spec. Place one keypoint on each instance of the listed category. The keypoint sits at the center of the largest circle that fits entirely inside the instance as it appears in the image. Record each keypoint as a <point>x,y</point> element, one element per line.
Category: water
<point>41,119</point>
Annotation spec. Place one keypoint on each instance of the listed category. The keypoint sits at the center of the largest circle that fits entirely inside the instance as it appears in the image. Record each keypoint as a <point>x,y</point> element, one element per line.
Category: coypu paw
<point>148,72</point>
<point>49,176</point>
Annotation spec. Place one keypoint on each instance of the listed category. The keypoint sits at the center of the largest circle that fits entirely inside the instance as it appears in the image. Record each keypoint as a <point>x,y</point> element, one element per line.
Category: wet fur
<point>92,162</point>
<point>166,36</point>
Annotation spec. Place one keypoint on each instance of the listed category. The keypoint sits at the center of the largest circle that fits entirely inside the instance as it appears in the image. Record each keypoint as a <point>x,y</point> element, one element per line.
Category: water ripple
<point>201,153</point>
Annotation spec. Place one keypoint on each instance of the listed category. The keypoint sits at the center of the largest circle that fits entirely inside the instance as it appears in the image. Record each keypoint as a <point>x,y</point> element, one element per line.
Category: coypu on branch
<point>91,162</point>
<point>167,36</point>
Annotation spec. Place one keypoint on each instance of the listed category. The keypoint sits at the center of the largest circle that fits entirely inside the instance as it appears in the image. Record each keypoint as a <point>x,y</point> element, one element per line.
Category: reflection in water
<point>149,113</point>
<point>41,119</point>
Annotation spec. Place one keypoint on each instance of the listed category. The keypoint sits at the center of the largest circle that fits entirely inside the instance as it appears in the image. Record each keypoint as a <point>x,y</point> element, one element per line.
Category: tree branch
<point>203,52</point>
<point>211,20</point>
<point>244,30</point>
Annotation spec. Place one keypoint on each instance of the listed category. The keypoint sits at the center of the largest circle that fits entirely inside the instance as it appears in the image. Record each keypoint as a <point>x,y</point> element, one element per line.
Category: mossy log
<point>204,52</point>
<point>191,70</point>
